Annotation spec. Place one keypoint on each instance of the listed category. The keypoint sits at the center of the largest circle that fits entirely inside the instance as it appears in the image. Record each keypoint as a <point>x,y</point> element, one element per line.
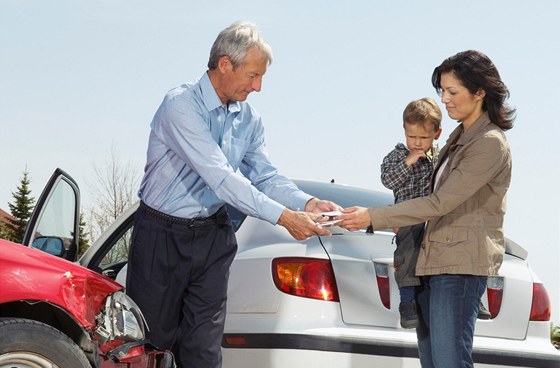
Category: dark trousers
<point>409,239</point>
<point>178,272</point>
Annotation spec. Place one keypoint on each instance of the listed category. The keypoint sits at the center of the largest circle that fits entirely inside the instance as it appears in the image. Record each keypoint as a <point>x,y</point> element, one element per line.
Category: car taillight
<point>540,307</point>
<point>495,292</point>
<point>305,277</point>
<point>382,277</point>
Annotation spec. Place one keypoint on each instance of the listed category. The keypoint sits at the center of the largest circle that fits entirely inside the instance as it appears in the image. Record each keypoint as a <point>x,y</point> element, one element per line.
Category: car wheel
<point>26,343</point>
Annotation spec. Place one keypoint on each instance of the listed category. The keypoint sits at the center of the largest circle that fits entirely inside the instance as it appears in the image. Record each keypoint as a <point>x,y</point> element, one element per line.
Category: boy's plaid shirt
<point>407,182</point>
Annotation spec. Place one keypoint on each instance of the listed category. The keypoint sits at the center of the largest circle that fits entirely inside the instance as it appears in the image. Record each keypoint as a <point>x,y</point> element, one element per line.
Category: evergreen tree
<point>83,242</point>
<point>3,234</point>
<point>20,209</point>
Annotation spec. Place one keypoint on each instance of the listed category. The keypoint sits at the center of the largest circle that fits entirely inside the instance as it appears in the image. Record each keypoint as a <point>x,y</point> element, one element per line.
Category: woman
<point>463,241</point>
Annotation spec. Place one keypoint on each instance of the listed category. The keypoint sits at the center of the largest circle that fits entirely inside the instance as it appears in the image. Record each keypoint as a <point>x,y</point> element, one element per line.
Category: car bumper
<point>302,351</point>
<point>140,356</point>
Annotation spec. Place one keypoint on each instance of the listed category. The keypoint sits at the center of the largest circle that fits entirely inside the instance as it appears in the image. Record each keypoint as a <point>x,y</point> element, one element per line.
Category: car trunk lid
<point>369,296</point>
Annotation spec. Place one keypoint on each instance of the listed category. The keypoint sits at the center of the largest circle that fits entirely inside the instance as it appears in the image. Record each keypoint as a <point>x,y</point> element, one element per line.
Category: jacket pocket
<point>449,236</point>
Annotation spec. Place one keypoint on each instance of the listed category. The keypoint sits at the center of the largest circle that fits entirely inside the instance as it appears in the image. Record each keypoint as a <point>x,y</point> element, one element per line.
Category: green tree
<point>83,242</point>
<point>555,335</point>
<point>20,209</point>
<point>3,234</point>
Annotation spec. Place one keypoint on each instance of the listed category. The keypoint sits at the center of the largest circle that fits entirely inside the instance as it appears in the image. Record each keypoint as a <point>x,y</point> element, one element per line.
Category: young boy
<point>407,171</point>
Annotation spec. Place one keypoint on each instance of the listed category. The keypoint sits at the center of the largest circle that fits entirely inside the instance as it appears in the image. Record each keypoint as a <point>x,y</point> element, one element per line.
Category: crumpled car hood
<point>32,275</point>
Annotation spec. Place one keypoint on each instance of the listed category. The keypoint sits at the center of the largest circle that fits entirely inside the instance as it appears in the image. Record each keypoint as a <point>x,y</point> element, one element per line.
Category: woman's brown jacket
<point>465,212</point>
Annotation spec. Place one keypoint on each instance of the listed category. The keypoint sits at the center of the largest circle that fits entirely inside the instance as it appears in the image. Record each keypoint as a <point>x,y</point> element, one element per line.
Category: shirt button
<point>447,240</point>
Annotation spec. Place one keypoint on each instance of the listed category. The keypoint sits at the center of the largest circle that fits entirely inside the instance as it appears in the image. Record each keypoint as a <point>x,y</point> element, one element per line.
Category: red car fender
<point>32,275</point>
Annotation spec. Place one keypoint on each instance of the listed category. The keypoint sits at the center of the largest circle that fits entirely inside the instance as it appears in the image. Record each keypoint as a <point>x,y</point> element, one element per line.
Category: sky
<point>82,79</point>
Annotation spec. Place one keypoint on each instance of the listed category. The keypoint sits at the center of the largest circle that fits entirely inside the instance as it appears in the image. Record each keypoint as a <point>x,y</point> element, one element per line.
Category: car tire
<point>26,343</point>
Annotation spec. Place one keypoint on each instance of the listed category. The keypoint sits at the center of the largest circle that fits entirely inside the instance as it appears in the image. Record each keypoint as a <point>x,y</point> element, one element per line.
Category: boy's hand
<point>413,157</point>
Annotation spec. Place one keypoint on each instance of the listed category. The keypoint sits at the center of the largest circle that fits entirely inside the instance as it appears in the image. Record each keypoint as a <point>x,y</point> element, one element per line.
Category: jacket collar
<point>460,136</point>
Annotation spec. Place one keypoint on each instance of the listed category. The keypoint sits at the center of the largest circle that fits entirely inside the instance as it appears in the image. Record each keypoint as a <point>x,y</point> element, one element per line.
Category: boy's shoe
<point>409,317</point>
<point>483,313</point>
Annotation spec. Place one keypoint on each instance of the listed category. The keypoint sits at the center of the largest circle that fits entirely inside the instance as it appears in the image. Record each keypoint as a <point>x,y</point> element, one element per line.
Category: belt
<point>220,217</point>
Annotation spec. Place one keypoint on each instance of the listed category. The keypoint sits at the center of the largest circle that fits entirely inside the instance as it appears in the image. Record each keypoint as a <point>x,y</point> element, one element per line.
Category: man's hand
<point>354,218</point>
<point>301,225</point>
<point>315,205</point>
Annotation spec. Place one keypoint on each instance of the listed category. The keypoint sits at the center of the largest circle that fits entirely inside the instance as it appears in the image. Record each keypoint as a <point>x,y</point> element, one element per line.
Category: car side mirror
<point>49,244</point>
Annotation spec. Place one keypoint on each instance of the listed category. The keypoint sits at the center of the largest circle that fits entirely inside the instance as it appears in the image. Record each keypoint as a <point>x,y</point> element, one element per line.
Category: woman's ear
<point>480,94</point>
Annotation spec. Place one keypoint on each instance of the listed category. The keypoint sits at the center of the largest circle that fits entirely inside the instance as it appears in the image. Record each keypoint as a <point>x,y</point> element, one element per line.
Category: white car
<point>333,301</point>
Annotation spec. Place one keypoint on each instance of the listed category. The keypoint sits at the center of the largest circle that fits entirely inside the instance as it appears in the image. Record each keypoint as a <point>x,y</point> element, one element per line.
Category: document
<point>327,218</point>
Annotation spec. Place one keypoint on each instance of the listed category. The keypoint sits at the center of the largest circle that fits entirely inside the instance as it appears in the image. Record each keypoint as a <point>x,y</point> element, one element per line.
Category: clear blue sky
<point>78,77</point>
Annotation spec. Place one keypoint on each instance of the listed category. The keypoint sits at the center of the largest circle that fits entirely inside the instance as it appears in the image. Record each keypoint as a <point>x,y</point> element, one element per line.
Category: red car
<point>54,312</point>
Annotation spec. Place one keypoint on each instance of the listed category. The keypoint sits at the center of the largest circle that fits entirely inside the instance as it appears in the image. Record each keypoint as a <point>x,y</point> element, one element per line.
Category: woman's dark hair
<point>476,71</point>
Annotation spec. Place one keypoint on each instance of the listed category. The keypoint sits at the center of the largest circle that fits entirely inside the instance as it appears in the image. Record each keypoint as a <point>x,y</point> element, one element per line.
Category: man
<point>206,149</point>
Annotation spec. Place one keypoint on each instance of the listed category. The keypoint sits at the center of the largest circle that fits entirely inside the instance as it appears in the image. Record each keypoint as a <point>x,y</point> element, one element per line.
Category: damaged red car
<point>56,313</point>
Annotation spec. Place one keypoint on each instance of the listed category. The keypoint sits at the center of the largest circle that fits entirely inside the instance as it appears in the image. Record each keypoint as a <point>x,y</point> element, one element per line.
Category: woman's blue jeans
<point>448,306</point>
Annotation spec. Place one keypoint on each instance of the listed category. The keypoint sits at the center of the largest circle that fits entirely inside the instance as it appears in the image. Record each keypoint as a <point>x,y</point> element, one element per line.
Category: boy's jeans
<point>448,306</point>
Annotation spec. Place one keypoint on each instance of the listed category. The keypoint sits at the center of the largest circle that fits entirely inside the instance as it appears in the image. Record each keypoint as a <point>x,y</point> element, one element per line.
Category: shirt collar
<point>210,97</point>
<point>431,154</point>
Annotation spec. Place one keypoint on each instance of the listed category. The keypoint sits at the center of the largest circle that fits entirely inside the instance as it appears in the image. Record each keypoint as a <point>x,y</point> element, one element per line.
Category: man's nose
<point>257,84</point>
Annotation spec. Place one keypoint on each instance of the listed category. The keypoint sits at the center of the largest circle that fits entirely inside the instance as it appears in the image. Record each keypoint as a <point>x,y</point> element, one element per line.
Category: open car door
<point>54,223</point>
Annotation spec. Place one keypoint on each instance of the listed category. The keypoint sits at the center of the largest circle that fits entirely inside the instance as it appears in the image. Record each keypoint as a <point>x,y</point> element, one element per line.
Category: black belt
<point>220,217</point>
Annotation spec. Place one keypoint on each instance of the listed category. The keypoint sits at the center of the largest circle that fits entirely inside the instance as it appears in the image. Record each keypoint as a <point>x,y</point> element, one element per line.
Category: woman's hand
<point>354,218</point>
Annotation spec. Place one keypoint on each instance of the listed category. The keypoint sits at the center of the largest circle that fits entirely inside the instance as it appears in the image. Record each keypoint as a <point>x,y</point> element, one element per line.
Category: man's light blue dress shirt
<point>202,154</point>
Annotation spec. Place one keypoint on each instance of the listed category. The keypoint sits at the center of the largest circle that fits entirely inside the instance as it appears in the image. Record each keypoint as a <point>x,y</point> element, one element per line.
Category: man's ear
<point>224,64</point>
<point>438,133</point>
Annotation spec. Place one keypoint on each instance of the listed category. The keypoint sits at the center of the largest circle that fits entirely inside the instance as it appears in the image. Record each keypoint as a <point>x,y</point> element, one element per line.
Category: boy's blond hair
<point>422,110</point>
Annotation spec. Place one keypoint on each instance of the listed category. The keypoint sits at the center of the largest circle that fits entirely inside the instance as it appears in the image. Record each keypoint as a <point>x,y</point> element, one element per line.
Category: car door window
<point>112,255</point>
<point>54,223</point>
<point>118,252</point>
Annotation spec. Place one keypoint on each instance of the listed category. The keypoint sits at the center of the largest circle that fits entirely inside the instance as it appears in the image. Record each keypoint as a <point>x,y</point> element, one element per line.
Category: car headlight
<point>121,319</point>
